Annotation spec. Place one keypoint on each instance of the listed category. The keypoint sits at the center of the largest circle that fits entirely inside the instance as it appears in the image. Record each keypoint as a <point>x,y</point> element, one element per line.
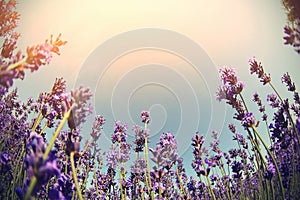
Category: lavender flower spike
<point>248,120</point>
<point>145,117</point>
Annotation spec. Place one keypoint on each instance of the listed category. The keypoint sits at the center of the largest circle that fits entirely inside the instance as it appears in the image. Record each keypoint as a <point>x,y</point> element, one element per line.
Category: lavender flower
<point>262,109</point>
<point>270,173</point>
<point>52,104</point>
<point>198,140</point>
<point>72,143</point>
<point>156,178</point>
<point>9,17</point>
<point>140,138</point>
<point>273,101</point>
<point>237,168</point>
<point>199,156</point>
<point>124,154</point>
<point>9,44</point>
<point>258,69</point>
<point>145,117</point>
<point>119,134</point>
<point>230,89</point>
<point>35,164</point>
<point>232,128</point>
<point>81,108</point>
<point>296,106</point>
<point>165,154</point>
<point>248,120</point>
<point>231,85</point>
<point>242,141</point>
<point>280,125</point>
<point>37,56</point>
<point>62,189</point>
<point>293,32</point>
<point>97,126</point>
<point>116,156</point>
<point>286,78</point>
<point>138,168</point>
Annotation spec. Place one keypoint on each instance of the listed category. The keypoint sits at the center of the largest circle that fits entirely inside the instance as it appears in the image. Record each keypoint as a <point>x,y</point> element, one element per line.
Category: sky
<point>161,56</point>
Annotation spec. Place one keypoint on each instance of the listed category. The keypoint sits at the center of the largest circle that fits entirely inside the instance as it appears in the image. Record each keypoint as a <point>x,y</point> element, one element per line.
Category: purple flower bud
<point>36,166</point>
<point>198,140</point>
<point>145,117</point>
<point>97,126</point>
<point>119,134</point>
<point>81,107</point>
<point>248,120</point>
<point>257,68</point>
<point>228,75</point>
<point>230,88</point>
<point>287,80</point>
<point>140,138</point>
<point>273,101</point>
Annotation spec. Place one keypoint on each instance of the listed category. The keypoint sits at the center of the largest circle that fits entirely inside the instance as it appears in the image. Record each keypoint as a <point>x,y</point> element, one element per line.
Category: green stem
<point>142,191</point>
<point>182,190</point>
<point>18,172</point>
<point>273,159</point>
<point>120,173</point>
<point>75,176</point>
<point>159,190</point>
<point>44,128</point>
<point>269,134</point>
<point>272,188</point>
<point>96,182</point>
<point>60,126</point>
<point>147,163</point>
<point>210,187</point>
<point>260,163</point>
<point>15,65</point>
<point>85,180</point>
<point>37,121</point>
<point>67,162</point>
<point>228,190</point>
<point>94,171</point>
<point>31,187</point>
<point>244,102</point>
<point>246,108</point>
<point>146,180</point>
<point>208,181</point>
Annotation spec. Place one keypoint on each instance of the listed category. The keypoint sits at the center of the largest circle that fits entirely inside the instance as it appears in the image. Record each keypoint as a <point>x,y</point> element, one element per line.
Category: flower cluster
<point>140,138</point>
<point>165,153</point>
<point>119,134</point>
<point>230,90</point>
<point>231,85</point>
<point>36,56</point>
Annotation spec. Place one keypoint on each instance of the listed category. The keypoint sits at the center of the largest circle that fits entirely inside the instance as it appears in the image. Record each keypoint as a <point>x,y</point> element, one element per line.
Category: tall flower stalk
<point>145,115</point>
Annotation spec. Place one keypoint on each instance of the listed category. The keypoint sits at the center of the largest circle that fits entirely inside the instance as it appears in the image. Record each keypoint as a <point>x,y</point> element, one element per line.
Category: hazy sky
<point>133,68</point>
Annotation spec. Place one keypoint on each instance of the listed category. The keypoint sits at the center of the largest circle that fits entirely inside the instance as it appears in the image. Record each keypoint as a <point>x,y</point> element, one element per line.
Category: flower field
<point>43,154</point>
